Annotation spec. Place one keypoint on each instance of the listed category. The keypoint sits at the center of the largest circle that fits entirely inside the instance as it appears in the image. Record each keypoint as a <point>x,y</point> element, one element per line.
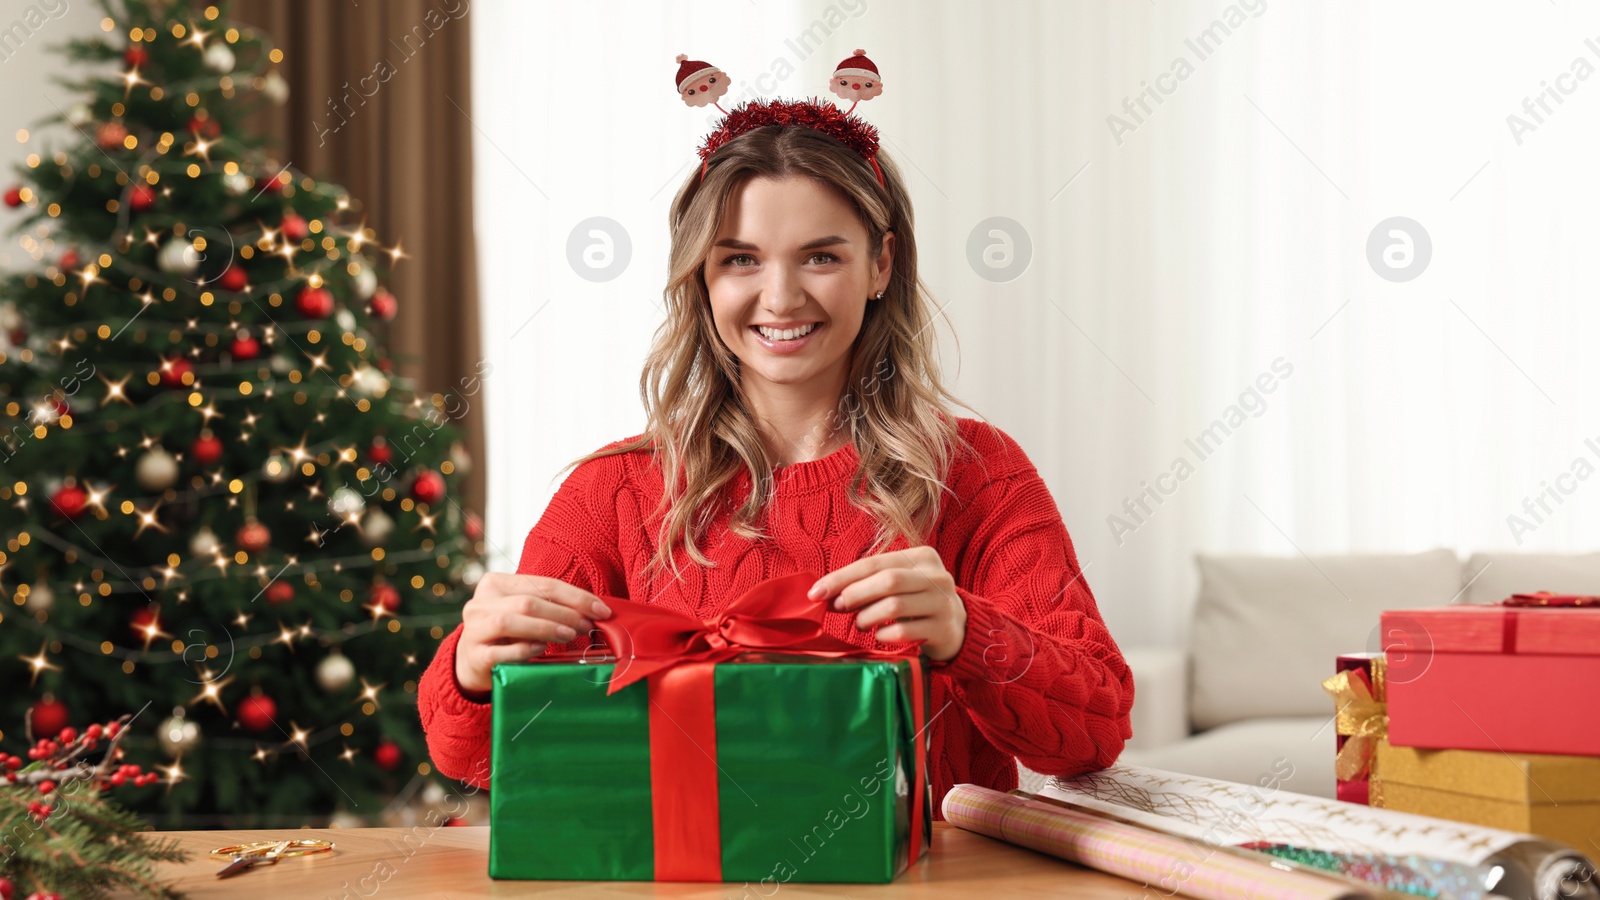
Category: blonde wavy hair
<point>700,426</point>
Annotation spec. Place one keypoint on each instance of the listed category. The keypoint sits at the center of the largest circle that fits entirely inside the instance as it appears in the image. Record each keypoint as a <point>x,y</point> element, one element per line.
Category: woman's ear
<point>884,264</point>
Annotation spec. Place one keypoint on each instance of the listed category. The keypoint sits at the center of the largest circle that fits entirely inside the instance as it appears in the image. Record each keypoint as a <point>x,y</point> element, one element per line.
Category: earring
<point>879,296</point>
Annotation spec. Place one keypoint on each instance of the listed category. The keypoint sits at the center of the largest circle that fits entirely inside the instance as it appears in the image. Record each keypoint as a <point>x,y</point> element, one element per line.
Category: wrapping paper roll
<point>1526,867</point>
<point>1163,863</point>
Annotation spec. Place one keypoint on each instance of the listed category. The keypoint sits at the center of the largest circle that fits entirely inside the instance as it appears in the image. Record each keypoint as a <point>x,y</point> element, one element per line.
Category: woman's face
<point>792,256</point>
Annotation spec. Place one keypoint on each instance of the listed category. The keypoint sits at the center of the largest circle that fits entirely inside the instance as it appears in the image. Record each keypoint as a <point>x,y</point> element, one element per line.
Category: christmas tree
<point>223,511</point>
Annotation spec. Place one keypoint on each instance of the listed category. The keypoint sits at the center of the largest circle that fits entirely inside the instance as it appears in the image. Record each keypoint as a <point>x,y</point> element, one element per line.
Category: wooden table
<point>452,864</point>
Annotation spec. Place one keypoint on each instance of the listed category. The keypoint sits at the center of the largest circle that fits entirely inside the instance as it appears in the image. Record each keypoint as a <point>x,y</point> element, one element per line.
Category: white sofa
<point>1247,690</point>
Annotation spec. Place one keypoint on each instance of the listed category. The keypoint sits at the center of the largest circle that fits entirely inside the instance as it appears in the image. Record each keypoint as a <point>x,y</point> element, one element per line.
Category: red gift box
<point>1518,679</point>
<point>1355,790</point>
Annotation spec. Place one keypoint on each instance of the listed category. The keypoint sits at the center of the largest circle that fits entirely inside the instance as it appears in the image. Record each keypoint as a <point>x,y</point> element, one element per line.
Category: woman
<point>796,415</point>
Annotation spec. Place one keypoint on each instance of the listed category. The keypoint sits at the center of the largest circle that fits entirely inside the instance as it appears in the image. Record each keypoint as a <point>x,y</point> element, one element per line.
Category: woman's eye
<point>730,261</point>
<point>825,257</point>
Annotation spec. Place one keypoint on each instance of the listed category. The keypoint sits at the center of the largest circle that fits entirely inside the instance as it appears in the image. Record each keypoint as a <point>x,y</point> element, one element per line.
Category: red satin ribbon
<point>677,654</point>
<point>775,615</point>
<point>1546,598</point>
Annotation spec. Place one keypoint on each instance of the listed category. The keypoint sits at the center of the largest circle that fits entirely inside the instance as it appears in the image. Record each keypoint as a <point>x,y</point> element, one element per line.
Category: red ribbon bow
<point>676,653</point>
<point>775,615</point>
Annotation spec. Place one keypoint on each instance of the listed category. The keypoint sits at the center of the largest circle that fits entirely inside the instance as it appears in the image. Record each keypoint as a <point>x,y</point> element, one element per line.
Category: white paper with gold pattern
<point>1228,813</point>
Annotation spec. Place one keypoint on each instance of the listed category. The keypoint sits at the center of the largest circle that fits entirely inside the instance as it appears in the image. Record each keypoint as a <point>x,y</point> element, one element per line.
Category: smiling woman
<point>797,422</point>
<point>791,313</point>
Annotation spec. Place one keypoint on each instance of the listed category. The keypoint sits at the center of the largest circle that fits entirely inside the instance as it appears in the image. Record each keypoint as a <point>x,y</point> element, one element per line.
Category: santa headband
<point>855,79</point>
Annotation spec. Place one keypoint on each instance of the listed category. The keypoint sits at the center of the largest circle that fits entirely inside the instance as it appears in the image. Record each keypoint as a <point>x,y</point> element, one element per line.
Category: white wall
<point>28,62</point>
<point>1169,270</point>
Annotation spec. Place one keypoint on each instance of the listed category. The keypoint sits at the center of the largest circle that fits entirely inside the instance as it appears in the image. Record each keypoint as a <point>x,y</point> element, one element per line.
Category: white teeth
<point>788,335</point>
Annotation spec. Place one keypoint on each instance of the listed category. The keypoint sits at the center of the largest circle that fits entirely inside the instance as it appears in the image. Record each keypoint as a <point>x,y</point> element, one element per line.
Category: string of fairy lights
<point>311,253</point>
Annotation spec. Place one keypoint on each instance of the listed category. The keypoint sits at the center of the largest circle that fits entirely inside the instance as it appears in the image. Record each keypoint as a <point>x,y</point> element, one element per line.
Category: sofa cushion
<point>1267,628</point>
<point>1499,575</point>
<point>1299,751</point>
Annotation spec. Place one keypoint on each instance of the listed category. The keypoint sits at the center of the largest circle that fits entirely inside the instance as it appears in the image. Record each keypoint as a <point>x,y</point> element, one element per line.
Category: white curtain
<point>1177,255</point>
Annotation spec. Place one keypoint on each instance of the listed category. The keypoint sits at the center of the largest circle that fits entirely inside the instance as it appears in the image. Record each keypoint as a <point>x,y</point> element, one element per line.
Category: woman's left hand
<point>911,587</point>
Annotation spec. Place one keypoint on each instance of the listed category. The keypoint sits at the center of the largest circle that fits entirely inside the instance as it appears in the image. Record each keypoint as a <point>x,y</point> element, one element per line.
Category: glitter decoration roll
<point>1521,866</point>
<point>1165,864</point>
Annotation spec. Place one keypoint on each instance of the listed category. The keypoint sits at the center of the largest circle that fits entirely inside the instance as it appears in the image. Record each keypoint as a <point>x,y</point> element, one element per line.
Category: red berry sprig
<point>61,758</point>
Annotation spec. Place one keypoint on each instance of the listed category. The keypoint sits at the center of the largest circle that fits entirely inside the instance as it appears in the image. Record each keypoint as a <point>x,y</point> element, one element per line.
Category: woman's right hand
<point>515,617</point>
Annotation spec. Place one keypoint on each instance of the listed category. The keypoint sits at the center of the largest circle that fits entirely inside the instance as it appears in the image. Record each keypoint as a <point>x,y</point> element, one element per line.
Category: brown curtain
<point>401,143</point>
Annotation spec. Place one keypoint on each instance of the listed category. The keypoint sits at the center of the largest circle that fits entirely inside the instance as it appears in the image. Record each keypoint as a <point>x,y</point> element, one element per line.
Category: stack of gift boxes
<point>1479,713</point>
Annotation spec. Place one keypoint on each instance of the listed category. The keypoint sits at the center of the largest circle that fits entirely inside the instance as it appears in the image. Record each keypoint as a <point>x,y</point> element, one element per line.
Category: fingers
<point>897,607</point>
<point>475,664</point>
<point>877,585</point>
<point>506,584</point>
<point>505,624</point>
<point>492,655</point>
<point>923,559</point>
<point>909,630</point>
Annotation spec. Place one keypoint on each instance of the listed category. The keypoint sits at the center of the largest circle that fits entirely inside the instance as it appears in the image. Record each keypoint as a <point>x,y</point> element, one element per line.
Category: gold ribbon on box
<point>1362,717</point>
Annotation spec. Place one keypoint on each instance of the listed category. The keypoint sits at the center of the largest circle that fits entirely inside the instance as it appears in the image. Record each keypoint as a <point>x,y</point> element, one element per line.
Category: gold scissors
<point>248,855</point>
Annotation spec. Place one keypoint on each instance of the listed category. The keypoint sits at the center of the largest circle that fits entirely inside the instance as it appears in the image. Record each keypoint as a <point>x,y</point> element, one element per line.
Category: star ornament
<point>211,690</point>
<point>173,773</point>
<point>39,662</point>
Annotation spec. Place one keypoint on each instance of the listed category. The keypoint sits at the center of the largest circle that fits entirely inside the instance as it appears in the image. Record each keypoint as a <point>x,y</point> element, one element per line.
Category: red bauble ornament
<point>473,527</point>
<point>61,407</point>
<point>253,537</point>
<point>208,128</point>
<point>135,57</point>
<point>173,370</point>
<point>48,717</point>
<point>294,227</point>
<point>384,306</point>
<point>272,182</point>
<point>314,303</point>
<point>379,452</point>
<point>245,347</point>
<point>386,365</point>
<point>385,595</point>
<point>233,279</point>
<point>280,592</point>
<point>70,500</point>
<point>14,197</point>
<point>141,198</point>
<point>257,712</point>
<point>69,260</point>
<point>428,487</point>
<point>207,449</point>
<point>387,755</point>
<point>142,619</point>
<point>110,135</point>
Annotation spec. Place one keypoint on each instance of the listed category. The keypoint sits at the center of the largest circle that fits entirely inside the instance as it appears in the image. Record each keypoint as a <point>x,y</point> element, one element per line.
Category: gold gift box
<point>1557,797</point>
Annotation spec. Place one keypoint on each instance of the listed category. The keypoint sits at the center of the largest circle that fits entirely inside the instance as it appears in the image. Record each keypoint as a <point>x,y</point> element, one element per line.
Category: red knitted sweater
<point>1038,677</point>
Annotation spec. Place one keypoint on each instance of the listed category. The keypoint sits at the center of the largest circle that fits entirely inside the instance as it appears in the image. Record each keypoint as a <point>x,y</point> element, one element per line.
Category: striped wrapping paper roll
<point>1163,863</point>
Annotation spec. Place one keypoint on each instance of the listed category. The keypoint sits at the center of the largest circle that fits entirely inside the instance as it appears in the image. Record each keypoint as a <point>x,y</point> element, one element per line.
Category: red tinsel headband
<point>855,79</point>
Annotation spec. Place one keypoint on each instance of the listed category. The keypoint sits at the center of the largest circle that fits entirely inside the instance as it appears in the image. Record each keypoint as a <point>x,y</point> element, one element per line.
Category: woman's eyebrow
<point>736,244</point>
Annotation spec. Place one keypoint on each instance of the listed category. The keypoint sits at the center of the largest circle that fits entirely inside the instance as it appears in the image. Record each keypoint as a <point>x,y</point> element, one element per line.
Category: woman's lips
<point>792,346</point>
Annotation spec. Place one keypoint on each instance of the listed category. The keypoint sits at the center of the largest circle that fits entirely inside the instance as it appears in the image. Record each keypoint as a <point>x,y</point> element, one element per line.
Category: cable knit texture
<point>1038,677</point>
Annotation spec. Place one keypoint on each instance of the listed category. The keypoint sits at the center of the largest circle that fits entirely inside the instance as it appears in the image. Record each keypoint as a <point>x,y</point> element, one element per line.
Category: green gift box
<point>759,768</point>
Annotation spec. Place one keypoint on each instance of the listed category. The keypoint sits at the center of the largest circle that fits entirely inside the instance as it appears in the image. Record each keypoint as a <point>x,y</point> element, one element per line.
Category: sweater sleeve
<point>1038,672</point>
<point>574,541</point>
